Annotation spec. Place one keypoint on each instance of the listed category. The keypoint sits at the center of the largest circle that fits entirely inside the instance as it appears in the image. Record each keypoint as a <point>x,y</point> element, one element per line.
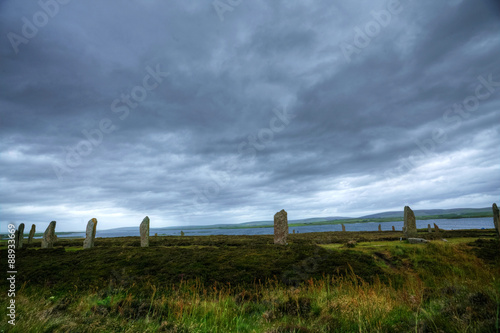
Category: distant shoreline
<point>301,224</point>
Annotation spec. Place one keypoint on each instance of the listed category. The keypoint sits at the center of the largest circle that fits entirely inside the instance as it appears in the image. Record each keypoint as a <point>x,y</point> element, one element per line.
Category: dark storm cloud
<point>259,111</point>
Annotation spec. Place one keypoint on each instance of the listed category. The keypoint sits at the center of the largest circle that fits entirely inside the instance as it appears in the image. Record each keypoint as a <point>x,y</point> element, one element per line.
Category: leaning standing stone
<point>410,225</point>
<point>49,236</point>
<point>343,227</point>
<point>496,218</point>
<point>88,243</point>
<point>280,227</point>
<point>436,228</point>
<point>393,228</point>
<point>32,233</point>
<point>145,232</point>
<point>19,236</point>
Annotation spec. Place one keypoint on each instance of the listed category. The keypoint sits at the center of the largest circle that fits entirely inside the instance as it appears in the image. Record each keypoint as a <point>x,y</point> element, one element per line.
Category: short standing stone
<point>145,232</point>
<point>429,229</point>
<point>343,227</point>
<point>393,228</point>
<point>410,225</point>
<point>49,236</point>
<point>379,227</point>
<point>32,233</point>
<point>436,228</point>
<point>156,234</point>
<point>19,236</point>
<point>293,230</point>
<point>280,227</point>
<point>496,218</point>
<point>88,243</point>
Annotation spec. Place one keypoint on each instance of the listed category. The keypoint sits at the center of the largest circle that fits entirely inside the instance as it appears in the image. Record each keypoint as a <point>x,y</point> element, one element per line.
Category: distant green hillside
<point>446,213</point>
<point>458,213</point>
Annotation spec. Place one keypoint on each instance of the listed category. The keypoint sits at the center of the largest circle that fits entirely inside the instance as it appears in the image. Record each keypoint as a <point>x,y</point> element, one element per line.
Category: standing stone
<point>280,227</point>
<point>496,218</point>
<point>32,233</point>
<point>156,234</point>
<point>436,228</point>
<point>145,232</point>
<point>343,227</point>
<point>410,224</point>
<point>88,243</point>
<point>49,236</point>
<point>293,230</point>
<point>379,227</point>
<point>393,228</point>
<point>182,233</point>
<point>19,236</point>
<point>429,227</point>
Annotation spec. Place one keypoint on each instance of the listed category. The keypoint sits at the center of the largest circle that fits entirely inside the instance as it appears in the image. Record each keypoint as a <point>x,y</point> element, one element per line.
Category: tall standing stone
<point>496,218</point>
<point>436,228</point>
<point>393,228</point>
<point>19,236</point>
<point>410,224</point>
<point>32,233</point>
<point>88,243</point>
<point>429,229</point>
<point>49,236</point>
<point>379,227</point>
<point>280,227</point>
<point>343,227</point>
<point>145,232</point>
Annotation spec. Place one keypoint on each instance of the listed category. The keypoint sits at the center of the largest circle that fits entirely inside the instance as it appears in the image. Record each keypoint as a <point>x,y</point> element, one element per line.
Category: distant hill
<point>308,220</point>
<point>422,214</point>
<point>464,212</point>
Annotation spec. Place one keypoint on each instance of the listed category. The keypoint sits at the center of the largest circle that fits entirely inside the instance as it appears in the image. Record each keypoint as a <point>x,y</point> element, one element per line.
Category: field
<point>316,283</point>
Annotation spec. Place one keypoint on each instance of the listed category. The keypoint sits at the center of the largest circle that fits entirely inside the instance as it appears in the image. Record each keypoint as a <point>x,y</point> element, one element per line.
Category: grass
<point>247,284</point>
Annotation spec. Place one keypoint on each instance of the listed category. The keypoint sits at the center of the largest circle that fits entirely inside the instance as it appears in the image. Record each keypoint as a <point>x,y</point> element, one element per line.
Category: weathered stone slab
<point>343,227</point>
<point>88,243</point>
<point>32,233</point>
<point>436,228</point>
<point>496,218</point>
<point>280,227</point>
<point>429,229</point>
<point>410,224</point>
<point>417,240</point>
<point>393,228</point>
<point>49,236</point>
<point>379,227</point>
<point>19,236</point>
<point>144,228</point>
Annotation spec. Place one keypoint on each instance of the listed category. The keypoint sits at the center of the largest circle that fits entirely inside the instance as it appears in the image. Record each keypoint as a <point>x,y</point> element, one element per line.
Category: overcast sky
<point>229,111</point>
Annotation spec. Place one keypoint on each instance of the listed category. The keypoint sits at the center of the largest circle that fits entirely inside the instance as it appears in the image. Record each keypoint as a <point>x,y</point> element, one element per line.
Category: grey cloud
<point>356,125</point>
